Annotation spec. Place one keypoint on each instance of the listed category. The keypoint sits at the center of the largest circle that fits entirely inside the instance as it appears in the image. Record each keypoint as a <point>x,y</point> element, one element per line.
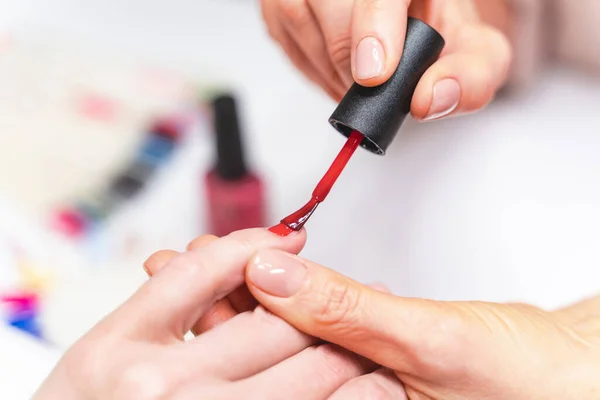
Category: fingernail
<point>446,96</point>
<point>277,273</point>
<point>370,58</point>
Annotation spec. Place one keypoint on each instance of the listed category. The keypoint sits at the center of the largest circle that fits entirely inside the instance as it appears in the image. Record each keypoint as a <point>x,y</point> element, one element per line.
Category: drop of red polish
<point>296,220</point>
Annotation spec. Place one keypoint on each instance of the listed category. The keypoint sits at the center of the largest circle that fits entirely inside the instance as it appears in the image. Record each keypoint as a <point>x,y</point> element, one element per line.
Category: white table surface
<point>501,205</point>
<point>23,365</point>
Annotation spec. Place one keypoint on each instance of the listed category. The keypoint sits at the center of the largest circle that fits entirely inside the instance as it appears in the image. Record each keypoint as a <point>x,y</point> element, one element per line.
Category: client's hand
<point>439,350</point>
<point>138,351</point>
<point>380,384</point>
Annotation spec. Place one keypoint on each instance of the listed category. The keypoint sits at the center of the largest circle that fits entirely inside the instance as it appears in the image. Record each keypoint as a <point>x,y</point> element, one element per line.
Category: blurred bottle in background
<point>235,194</point>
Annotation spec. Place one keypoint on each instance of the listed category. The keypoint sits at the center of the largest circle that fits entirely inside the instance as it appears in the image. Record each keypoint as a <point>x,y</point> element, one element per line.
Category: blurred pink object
<point>69,222</point>
<point>98,107</point>
<point>19,302</point>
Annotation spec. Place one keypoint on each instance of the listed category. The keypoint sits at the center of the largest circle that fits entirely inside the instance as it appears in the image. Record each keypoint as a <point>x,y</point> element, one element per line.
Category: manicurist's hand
<point>139,352</point>
<point>337,42</point>
<point>439,350</point>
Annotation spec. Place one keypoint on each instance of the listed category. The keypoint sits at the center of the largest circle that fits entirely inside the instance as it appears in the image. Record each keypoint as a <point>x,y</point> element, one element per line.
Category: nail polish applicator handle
<point>378,112</point>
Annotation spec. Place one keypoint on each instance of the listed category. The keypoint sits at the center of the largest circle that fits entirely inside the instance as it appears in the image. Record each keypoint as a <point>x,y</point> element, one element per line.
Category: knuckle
<point>340,50</point>
<point>142,381</point>
<point>414,394</point>
<point>335,365</point>
<point>189,264</point>
<point>370,4</point>
<point>85,362</point>
<point>242,242</point>
<point>373,389</point>
<point>201,241</point>
<point>500,44</point>
<point>501,53</point>
<point>153,258</point>
<point>437,350</point>
<point>268,318</point>
<point>149,265</point>
<point>505,56</point>
<point>295,12</point>
<point>157,261</point>
<point>337,305</point>
<point>379,5</point>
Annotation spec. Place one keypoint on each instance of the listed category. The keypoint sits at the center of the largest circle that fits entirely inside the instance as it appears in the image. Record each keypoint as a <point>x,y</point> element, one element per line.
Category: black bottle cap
<point>378,112</point>
<point>230,155</point>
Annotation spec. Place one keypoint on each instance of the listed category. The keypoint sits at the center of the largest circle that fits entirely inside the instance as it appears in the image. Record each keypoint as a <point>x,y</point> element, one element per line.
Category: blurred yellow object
<point>35,278</point>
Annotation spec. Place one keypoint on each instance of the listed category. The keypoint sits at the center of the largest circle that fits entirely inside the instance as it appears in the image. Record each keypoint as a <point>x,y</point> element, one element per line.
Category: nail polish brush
<point>370,117</point>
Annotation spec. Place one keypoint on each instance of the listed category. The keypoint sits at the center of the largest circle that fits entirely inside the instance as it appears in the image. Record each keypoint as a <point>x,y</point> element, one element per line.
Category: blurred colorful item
<point>22,311</point>
<point>78,219</point>
<point>88,136</point>
<point>72,115</point>
<point>21,305</point>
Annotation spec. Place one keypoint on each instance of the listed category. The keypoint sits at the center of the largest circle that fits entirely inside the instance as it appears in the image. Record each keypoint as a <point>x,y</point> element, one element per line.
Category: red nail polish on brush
<point>235,195</point>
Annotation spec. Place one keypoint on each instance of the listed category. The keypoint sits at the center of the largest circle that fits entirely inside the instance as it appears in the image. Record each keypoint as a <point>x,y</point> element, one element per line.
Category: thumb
<point>399,333</point>
<point>378,33</point>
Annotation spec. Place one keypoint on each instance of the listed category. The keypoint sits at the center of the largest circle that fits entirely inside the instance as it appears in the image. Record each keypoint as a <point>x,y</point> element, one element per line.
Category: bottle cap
<point>378,112</point>
<point>230,155</point>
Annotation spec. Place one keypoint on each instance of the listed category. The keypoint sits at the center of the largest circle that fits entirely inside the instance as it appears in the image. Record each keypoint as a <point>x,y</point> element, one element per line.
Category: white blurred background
<point>503,205</point>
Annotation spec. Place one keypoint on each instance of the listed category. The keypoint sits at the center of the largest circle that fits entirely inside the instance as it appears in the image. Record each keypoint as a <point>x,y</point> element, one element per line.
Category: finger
<point>466,78</point>
<point>221,312</point>
<point>315,373</point>
<point>156,261</point>
<point>301,24</point>
<point>237,302</point>
<point>395,332</point>
<point>201,241</point>
<point>175,298</point>
<point>334,18</point>
<point>378,32</point>
<point>203,390</point>
<point>242,300</point>
<point>382,384</point>
<point>159,259</point>
<point>294,53</point>
<point>246,345</point>
<point>301,62</point>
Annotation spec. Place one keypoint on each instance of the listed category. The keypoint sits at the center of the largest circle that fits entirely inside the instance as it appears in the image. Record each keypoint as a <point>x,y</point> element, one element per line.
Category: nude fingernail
<point>446,96</point>
<point>277,273</point>
<point>370,58</point>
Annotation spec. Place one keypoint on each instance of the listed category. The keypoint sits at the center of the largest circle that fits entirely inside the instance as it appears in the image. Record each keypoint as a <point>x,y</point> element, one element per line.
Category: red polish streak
<point>281,229</point>
<point>295,221</point>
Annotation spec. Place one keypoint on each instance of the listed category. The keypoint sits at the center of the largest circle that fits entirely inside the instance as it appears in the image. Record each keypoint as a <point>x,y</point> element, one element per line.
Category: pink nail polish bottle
<point>235,195</point>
